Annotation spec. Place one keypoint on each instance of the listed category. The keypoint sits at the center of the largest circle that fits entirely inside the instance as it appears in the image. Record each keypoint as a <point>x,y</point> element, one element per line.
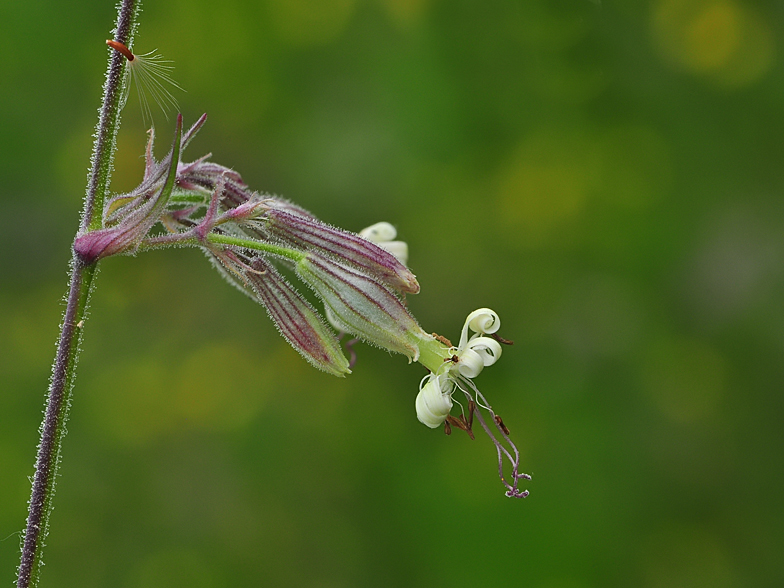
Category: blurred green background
<point>607,177</point>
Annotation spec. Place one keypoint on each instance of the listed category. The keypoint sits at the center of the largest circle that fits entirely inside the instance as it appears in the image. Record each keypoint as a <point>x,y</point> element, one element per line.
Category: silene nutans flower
<point>360,279</point>
<point>434,402</point>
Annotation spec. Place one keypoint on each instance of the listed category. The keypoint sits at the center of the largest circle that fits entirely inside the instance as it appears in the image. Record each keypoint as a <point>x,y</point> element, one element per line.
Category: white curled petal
<point>434,401</point>
<point>489,349</point>
<point>483,321</point>
<point>379,233</point>
<point>471,363</point>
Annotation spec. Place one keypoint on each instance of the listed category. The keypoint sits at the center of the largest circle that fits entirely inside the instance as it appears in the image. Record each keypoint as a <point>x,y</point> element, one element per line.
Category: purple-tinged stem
<point>512,491</point>
<point>53,426</point>
<point>63,371</point>
<point>109,119</point>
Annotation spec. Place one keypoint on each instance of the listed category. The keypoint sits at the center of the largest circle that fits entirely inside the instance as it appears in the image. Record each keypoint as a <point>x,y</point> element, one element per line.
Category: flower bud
<point>296,319</point>
<point>360,305</point>
<point>137,217</point>
<point>383,234</point>
<point>202,175</point>
<point>399,249</point>
<point>96,245</point>
<point>288,206</point>
<point>311,234</point>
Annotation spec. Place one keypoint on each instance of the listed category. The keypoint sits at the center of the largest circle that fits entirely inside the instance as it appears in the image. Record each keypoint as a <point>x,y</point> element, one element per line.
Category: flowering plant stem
<point>58,401</point>
<point>185,239</point>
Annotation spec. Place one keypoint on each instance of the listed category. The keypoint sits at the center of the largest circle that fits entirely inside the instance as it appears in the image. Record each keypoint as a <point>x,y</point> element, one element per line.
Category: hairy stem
<point>291,254</point>
<point>109,118</point>
<point>63,371</point>
<point>190,239</point>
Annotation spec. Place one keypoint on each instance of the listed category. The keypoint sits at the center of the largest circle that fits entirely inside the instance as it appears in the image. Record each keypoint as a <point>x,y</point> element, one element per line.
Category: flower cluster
<point>361,279</point>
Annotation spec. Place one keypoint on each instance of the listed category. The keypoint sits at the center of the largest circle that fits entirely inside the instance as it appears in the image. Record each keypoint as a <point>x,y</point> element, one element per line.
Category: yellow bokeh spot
<point>545,184</point>
<point>713,36</point>
<point>310,22</point>
<point>219,386</point>
<point>549,181</point>
<point>406,12</point>
<point>719,39</point>
<point>685,379</point>
<point>686,556</point>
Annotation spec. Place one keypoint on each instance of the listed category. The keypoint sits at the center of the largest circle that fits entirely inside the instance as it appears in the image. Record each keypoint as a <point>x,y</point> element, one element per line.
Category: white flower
<point>478,352</point>
<point>434,401</point>
<point>469,358</point>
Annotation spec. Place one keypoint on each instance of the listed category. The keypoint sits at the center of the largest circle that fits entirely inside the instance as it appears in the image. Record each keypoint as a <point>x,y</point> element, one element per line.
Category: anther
<point>501,340</point>
<point>461,424</point>
<point>499,421</point>
<point>442,339</point>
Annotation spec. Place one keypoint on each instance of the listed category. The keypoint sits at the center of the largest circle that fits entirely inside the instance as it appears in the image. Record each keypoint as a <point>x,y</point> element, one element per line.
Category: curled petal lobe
<point>488,349</point>
<point>471,364</point>
<point>479,353</point>
<point>483,321</point>
<point>434,401</point>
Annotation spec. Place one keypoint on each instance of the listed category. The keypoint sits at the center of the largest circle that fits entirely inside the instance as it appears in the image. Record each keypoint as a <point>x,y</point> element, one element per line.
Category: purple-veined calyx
<point>383,234</point>
<point>360,305</point>
<point>361,280</point>
<point>310,234</point>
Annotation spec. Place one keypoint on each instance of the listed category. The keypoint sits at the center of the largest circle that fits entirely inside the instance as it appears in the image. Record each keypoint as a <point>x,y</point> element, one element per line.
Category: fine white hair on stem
<point>151,74</point>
